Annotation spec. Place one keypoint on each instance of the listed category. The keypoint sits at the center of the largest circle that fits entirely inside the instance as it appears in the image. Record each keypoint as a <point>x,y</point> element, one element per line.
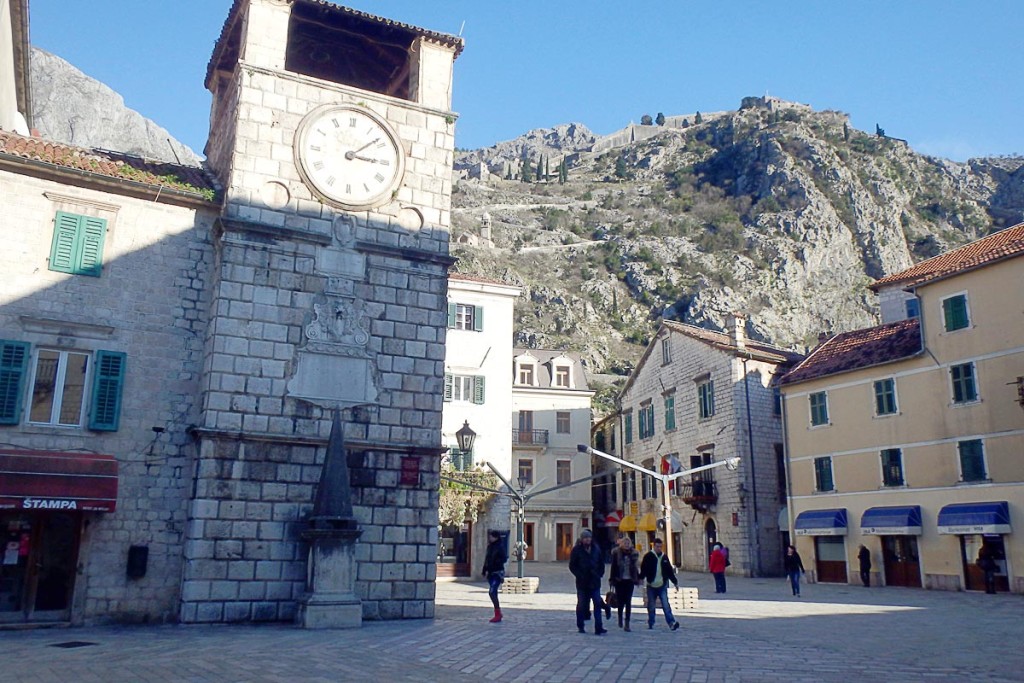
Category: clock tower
<point>332,134</point>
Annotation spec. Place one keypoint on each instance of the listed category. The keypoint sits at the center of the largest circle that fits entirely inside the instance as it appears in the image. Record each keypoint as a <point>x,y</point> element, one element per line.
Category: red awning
<point>613,518</point>
<point>52,480</point>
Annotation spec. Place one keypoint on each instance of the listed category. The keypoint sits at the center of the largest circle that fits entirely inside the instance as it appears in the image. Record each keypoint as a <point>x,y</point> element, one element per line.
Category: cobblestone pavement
<point>755,632</point>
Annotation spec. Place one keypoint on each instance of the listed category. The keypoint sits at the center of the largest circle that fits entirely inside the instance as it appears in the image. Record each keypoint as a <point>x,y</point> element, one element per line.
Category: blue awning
<point>902,520</point>
<point>821,523</point>
<point>975,518</point>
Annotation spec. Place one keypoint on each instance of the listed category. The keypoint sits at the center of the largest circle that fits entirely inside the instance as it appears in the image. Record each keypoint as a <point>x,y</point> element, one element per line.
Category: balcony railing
<point>700,495</point>
<point>537,437</point>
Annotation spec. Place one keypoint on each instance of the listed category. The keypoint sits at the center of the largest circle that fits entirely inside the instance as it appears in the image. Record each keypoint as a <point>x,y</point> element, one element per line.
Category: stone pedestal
<point>330,600</point>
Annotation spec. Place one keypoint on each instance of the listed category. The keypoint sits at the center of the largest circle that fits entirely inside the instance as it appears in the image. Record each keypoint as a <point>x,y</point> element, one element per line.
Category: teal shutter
<point>478,390</point>
<point>448,390</point>
<point>478,318</point>
<point>77,244</point>
<point>90,254</point>
<point>63,249</point>
<point>107,385</point>
<point>954,311</point>
<point>628,428</point>
<point>14,356</point>
<point>451,316</point>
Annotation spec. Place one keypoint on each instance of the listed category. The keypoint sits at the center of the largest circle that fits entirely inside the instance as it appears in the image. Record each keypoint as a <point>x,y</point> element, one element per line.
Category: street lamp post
<point>665,479</point>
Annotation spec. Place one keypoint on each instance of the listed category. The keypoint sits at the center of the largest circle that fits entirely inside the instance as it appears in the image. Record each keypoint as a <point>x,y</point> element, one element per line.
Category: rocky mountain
<point>73,108</point>
<point>774,210</point>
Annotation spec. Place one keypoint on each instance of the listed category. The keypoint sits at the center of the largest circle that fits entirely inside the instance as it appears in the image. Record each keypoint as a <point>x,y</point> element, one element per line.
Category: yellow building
<point>908,438</point>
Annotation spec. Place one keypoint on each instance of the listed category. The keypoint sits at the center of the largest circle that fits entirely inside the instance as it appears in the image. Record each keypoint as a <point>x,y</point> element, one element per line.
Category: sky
<point>945,75</point>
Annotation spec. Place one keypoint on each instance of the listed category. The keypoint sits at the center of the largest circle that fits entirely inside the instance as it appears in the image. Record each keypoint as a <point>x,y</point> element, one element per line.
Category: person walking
<point>494,570</point>
<point>657,572</point>
<point>864,558</point>
<point>716,563</point>
<point>794,568</point>
<point>623,576</point>
<point>587,564</point>
<point>987,564</point>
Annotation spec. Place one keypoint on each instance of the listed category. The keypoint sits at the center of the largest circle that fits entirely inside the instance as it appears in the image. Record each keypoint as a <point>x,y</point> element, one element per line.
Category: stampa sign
<point>44,504</point>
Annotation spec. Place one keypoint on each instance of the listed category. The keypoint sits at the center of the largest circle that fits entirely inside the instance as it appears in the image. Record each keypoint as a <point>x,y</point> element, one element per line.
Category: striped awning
<point>613,518</point>
<point>54,480</point>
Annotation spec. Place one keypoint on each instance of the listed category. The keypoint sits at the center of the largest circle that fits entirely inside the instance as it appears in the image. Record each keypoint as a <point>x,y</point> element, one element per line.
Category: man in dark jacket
<point>657,571</point>
<point>494,570</point>
<point>586,562</point>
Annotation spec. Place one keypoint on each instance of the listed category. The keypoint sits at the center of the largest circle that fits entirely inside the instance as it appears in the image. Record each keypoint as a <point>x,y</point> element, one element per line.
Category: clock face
<point>349,156</point>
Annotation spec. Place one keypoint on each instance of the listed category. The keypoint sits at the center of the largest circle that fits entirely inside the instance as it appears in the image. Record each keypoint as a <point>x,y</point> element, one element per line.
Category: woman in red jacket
<point>716,563</point>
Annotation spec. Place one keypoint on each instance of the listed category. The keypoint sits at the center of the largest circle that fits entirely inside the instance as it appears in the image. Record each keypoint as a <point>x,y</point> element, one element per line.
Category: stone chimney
<point>737,329</point>
<point>822,338</point>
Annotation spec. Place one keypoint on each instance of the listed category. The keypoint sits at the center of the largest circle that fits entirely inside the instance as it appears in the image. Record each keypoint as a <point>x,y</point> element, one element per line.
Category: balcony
<point>700,495</point>
<point>530,437</point>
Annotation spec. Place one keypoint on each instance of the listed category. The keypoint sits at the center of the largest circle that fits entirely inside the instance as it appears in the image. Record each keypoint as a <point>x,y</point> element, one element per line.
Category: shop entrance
<point>974,578</point>
<point>37,568</point>
<point>528,539</point>
<point>564,540</point>
<point>453,551</point>
<point>902,564</point>
<point>830,558</point>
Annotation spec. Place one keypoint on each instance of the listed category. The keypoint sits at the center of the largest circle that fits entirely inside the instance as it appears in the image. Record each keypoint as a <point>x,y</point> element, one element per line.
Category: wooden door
<point>830,559</point>
<point>528,538</point>
<point>564,541</point>
<point>901,562</point>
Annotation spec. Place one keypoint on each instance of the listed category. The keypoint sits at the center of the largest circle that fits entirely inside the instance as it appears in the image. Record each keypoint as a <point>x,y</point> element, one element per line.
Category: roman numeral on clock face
<point>330,181</point>
<point>379,178</point>
<point>352,122</point>
<point>317,165</point>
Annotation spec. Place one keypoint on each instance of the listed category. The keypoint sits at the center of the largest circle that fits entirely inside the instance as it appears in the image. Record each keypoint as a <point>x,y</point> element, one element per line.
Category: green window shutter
<point>107,385</point>
<point>954,311</point>
<point>90,254</point>
<point>448,391</point>
<point>64,247</point>
<point>451,316</point>
<point>478,390</point>
<point>478,319</point>
<point>14,356</point>
<point>628,428</point>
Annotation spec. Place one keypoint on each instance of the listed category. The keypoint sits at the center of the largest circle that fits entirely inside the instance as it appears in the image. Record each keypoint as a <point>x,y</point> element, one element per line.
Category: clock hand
<point>361,158</point>
<point>353,154</point>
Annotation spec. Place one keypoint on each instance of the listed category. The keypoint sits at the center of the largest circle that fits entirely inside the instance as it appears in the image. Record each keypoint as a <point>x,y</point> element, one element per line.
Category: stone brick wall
<point>150,302</point>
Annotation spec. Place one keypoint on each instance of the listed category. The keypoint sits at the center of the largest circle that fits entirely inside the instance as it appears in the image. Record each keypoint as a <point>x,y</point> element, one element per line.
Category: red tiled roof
<point>474,278</point>
<point>859,349</point>
<point>721,340</point>
<point>1006,243</point>
<point>189,179</point>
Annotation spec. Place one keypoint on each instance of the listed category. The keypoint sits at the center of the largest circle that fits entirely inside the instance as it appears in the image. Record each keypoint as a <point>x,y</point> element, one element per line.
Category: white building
<point>551,404</point>
<point>477,392</point>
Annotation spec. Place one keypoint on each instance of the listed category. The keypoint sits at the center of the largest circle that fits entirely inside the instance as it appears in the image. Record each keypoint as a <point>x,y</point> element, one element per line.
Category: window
<point>468,388</point>
<point>563,472</point>
<point>885,397</point>
<point>666,352</point>
<point>954,312</point>
<point>670,412</point>
<point>647,420</point>
<point>77,244</point>
<point>462,461</point>
<point>647,481</point>
<point>628,427</point>
<point>465,317</point>
<point>892,467</point>
<point>63,384</point>
<point>705,399</point>
<point>562,376</point>
<point>776,402</point>
<point>780,471</point>
<point>823,474</point>
<point>526,374</point>
<point>819,408</point>
<point>526,471</point>
<point>964,387</point>
<point>562,422</point>
<point>972,460</point>
<point>913,307</point>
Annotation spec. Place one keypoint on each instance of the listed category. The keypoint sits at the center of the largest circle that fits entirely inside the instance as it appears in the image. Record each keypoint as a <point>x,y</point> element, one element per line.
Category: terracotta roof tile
<point>859,349</point>
<point>1006,243</point>
<point>722,341</point>
<point>190,179</point>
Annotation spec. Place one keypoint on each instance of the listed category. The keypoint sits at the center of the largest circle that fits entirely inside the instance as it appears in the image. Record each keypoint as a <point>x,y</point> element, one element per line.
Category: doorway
<point>453,550</point>
<point>710,538</point>
<point>974,578</point>
<point>564,541</point>
<point>830,559</point>
<point>901,561</point>
<point>528,536</point>
<point>37,568</point>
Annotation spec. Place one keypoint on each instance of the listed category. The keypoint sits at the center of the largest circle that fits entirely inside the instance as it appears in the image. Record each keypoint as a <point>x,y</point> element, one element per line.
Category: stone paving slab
<point>756,632</point>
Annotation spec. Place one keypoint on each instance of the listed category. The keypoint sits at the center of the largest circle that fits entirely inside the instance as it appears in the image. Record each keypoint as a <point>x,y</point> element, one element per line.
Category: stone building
<point>698,397</point>
<point>174,339</point>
